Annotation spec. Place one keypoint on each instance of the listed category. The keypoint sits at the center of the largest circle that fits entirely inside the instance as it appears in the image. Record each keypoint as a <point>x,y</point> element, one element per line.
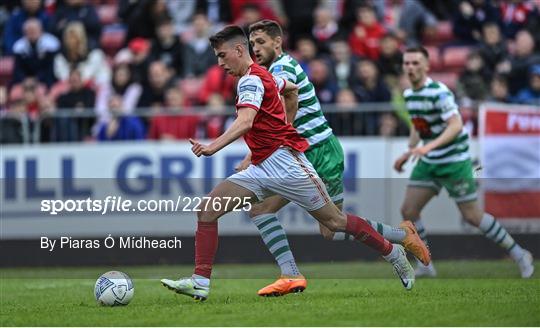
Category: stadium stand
<point>448,53</point>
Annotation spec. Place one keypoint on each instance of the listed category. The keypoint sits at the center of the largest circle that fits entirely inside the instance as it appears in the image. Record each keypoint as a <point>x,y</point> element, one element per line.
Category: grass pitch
<point>467,293</point>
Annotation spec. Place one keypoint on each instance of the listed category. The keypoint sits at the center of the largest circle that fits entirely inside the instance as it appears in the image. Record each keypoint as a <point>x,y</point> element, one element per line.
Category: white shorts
<point>287,173</point>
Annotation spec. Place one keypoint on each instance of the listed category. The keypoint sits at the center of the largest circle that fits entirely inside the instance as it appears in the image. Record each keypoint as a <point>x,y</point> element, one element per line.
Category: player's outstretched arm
<point>238,128</point>
<point>455,124</point>
<point>290,96</point>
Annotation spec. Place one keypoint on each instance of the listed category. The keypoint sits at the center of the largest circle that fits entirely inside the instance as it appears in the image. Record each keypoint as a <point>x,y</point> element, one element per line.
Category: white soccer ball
<point>114,288</point>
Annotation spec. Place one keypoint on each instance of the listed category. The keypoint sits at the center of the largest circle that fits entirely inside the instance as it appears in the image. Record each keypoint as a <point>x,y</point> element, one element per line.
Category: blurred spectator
<point>217,121</point>
<point>77,11</point>
<point>342,62</point>
<point>167,48</point>
<point>137,56</point>
<point>389,125</point>
<point>199,56</point>
<point>516,14</point>
<point>250,13</point>
<point>346,120</point>
<point>346,99</point>
<point>13,30</point>
<point>92,64</point>
<point>11,123</point>
<point>492,47</point>
<point>141,17</point>
<point>123,86</point>
<point>33,94</point>
<point>78,99</point>
<point>367,34</point>
<point>368,86</point>
<point>324,28</point>
<point>243,11</point>
<point>471,15</point>
<point>159,80</point>
<point>79,96</point>
<point>35,106</point>
<point>531,94</point>
<point>325,86</point>
<point>499,89</point>
<point>34,54</point>
<point>390,59</point>
<point>181,13</point>
<point>299,18</point>
<point>306,51</point>
<point>217,81</point>
<point>517,66</point>
<point>474,80</point>
<point>409,20</point>
<point>121,127</point>
<point>178,124</point>
<point>217,11</point>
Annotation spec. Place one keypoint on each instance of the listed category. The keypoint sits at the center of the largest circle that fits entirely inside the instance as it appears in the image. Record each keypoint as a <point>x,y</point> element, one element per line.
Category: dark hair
<point>228,33</point>
<point>501,78</point>
<point>490,24</point>
<point>419,49</point>
<point>268,26</point>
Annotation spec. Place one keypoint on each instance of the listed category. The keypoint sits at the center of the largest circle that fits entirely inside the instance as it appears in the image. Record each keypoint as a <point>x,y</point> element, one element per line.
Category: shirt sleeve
<point>284,72</point>
<point>280,83</point>
<point>250,92</point>
<point>447,104</point>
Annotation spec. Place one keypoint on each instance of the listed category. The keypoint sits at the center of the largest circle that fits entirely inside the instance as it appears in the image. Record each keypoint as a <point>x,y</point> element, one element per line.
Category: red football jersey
<point>259,90</point>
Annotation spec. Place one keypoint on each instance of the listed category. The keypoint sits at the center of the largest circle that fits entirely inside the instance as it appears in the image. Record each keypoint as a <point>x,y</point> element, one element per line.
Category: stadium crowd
<point>129,70</point>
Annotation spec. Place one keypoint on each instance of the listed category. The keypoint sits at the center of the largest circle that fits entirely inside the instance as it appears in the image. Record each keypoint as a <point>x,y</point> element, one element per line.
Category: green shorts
<point>329,161</point>
<point>457,178</point>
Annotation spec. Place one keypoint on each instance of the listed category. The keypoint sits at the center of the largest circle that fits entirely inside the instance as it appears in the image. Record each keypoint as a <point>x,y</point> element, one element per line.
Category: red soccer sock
<point>363,232</point>
<point>206,243</point>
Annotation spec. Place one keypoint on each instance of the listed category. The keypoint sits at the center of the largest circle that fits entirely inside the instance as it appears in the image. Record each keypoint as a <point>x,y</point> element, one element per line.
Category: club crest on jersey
<point>277,68</point>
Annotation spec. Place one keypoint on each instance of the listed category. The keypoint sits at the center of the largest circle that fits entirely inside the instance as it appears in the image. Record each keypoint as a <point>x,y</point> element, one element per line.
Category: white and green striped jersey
<point>430,107</point>
<point>309,121</point>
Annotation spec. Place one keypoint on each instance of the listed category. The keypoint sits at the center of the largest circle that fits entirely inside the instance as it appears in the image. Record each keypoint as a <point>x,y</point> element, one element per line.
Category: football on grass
<point>114,288</point>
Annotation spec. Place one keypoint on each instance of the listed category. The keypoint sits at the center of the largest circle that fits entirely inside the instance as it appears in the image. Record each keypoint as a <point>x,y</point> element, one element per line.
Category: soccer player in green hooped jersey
<point>326,155</point>
<point>444,160</point>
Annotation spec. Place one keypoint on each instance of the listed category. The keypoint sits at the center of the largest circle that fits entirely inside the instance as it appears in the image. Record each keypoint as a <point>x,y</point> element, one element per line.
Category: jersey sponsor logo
<point>244,88</point>
<point>247,97</point>
<point>422,126</point>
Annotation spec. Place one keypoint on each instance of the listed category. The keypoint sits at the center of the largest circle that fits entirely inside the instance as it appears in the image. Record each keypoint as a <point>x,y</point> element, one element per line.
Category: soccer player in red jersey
<point>278,166</point>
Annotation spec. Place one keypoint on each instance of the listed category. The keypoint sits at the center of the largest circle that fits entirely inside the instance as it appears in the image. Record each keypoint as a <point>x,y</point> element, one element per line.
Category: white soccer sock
<point>394,254</point>
<point>275,239</point>
<point>493,230</point>
<point>394,235</point>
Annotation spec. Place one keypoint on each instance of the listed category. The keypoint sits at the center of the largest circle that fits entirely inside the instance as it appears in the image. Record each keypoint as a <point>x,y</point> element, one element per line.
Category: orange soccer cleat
<point>284,285</point>
<point>414,244</point>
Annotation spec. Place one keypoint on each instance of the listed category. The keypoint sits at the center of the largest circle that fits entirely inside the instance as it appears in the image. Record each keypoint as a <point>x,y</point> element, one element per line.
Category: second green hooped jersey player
<point>429,108</point>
